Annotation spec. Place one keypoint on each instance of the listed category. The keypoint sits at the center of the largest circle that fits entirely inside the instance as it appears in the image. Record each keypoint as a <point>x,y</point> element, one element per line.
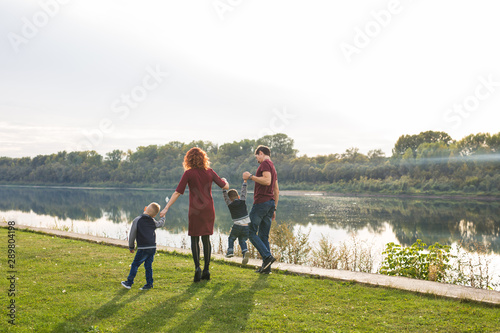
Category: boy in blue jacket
<point>143,230</point>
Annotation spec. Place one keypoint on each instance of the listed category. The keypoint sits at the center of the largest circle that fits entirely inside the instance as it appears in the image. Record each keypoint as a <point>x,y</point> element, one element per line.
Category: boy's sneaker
<point>229,254</point>
<point>245,258</point>
<point>126,285</point>
<point>146,287</point>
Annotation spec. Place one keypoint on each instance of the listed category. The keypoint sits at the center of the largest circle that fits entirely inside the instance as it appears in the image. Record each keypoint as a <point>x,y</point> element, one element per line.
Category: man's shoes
<point>246,256</point>
<point>266,265</point>
<point>146,287</point>
<point>126,285</point>
<point>197,274</point>
<point>267,262</point>
<point>263,271</point>
<point>266,271</point>
<point>229,254</point>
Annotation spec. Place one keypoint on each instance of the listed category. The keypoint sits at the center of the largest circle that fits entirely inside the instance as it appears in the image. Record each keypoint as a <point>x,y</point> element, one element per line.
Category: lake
<point>376,220</point>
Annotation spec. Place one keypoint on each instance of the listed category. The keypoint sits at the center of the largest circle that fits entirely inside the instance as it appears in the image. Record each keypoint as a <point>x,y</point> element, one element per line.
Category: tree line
<point>428,162</point>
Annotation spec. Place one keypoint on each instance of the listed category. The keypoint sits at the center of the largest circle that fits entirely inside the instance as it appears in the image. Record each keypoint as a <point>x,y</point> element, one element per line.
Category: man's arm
<point>265,179</point>
<point>276,194</point>
<point>276,198</point>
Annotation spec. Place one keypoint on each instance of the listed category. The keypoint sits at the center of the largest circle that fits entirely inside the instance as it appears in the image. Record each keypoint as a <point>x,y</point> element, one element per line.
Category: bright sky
<point>104,75</point>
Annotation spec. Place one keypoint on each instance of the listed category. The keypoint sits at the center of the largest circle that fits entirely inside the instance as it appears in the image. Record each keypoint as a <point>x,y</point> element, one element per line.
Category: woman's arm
<point>170,203</point>
<point>219,181</point>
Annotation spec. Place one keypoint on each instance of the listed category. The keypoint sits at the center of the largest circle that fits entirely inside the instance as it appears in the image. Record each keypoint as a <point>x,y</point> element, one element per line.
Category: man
<point>266,196</point>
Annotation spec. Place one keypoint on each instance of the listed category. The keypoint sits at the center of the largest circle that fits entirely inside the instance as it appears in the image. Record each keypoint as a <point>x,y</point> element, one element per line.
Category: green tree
<point>114,158</point>
<point>93,158</point>
<point>475,144</point>
<point>494,143</point>
<point>433,157</point>
<point>279,144</point>
<point>413,141</point>
<point>209,147</point>
<point>148,153</point>
<point>352,155</point>
<point>235,150</point>
<point>376,156</point>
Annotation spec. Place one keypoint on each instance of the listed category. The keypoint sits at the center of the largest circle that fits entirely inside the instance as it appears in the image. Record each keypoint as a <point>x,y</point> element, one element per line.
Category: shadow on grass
<point>92,316</point>
<point>158,316</point>
<point>225,309</point>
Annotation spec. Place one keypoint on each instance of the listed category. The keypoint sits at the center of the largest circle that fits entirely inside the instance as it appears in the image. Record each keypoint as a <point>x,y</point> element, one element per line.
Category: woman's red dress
<point>201,204</point>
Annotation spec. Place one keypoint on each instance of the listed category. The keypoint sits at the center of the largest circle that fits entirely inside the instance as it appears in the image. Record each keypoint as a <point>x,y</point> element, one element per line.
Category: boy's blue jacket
<point>143,230</point>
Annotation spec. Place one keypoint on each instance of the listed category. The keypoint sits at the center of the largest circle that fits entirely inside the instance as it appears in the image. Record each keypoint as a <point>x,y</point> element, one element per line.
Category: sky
<point>332,75</point>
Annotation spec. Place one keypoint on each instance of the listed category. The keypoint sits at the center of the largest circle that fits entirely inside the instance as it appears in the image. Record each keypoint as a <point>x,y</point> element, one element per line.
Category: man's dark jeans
<point>261,217</point>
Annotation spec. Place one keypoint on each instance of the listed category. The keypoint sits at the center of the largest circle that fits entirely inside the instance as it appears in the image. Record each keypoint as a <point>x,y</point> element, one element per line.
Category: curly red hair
<point>196,158</point>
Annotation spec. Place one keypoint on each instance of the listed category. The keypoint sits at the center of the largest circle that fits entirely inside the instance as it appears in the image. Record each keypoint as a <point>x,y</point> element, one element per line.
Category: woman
<point>199,177</point>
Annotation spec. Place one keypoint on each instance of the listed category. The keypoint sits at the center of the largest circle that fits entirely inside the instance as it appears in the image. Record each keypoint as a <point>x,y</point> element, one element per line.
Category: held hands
<point>246,175</point>
<point>164,212</point>
<point>170,202</point>
<point>226,186</point>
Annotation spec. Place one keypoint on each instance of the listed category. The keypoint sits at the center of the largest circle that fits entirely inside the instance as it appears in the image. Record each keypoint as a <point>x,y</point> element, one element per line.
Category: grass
<point>68,285</point>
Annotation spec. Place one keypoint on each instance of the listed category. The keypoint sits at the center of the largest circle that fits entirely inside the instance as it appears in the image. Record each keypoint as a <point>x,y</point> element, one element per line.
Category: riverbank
<point>419,286</point>
<point>380,195</point>
<point>72,285</point>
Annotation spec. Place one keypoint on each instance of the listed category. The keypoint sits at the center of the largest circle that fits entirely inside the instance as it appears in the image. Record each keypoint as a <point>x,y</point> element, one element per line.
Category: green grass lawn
<point>67,285</point>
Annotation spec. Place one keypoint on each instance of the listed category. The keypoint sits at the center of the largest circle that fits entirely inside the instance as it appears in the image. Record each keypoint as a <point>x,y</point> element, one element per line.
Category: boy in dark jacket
<point>143,230</point>
<point>239,214</point>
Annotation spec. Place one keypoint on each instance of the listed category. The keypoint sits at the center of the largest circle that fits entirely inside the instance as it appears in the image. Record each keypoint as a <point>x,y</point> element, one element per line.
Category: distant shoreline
<point>387,195</point>
<point>282,192</point>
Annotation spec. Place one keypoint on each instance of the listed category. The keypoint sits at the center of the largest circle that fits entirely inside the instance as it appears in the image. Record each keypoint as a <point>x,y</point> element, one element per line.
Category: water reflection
<point>432,220</point>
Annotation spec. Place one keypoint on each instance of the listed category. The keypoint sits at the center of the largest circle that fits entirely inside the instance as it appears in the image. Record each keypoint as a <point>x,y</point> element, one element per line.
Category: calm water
<point>108,212</point>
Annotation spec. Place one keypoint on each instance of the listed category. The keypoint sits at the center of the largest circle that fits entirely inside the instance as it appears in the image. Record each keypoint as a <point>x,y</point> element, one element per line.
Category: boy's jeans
<point>145,256</point>
<point>240,232</point>
<point>261,216</point>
